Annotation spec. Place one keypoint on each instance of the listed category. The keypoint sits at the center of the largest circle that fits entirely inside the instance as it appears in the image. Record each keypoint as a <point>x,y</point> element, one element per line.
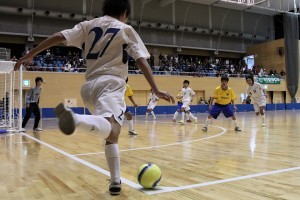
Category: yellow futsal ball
<point>149,175</point>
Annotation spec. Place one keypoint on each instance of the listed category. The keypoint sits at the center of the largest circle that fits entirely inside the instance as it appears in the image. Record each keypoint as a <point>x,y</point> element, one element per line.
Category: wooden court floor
<point>257,163</point>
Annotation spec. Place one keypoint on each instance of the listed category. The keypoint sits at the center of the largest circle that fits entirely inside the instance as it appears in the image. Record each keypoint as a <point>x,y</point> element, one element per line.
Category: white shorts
<point>151,105</point>
<point>259,103</point>
<point>186,106</point>
<point>104,96</point>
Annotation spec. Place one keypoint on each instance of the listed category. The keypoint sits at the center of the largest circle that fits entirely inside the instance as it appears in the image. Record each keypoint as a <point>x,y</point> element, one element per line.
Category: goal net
<point>10,97</point>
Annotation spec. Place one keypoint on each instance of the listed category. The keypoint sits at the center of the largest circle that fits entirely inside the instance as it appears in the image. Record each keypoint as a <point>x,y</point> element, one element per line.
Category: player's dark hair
<point>116,7</point>
<point>225,78</point>
<point>186,81</point>
<point>37,79</point>
<point>250,77</point>
<point>126,80</point>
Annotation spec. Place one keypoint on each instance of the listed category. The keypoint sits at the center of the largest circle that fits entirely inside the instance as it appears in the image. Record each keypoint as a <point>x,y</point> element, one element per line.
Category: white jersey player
<point>107,41</point>
<point>151,104</point>
<point>257,93</point>
<point>187,97</point>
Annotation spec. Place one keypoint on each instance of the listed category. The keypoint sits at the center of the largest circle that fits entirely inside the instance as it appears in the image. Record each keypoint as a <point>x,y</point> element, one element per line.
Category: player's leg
<point>262,107</point>
<point>179,105</point>
<point>151,110</point>
<point>27,116</point>
<point>128,116</point>
<point>37,114</point>
<point>214,113</point>
<point>228,112</point>
<point>189,113</point>
<point>182,114</point>
<point>112,156</point>
<point>256,108</point>
<point>147,112</point>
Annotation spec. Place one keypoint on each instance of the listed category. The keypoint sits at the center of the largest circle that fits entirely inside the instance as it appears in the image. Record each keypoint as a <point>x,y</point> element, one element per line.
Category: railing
<point>156,73</point>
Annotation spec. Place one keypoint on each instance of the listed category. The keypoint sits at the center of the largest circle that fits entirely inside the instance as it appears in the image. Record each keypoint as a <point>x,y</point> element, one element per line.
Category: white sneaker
<point>154,118</point>
<point>66,119</point>
<point>195,120</point>
<point>132,132</point>
<point>23,130</point>
<point>263,125</point>
<point>204,129</point>
<point>37,130</point>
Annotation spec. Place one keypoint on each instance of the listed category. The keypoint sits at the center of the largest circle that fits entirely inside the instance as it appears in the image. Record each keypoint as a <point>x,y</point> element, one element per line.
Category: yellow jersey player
<point>224,97</point>
<point>128,115</point>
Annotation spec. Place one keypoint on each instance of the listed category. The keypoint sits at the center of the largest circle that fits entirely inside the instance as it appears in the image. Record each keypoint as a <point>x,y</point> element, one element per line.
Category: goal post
<point>10,97</point>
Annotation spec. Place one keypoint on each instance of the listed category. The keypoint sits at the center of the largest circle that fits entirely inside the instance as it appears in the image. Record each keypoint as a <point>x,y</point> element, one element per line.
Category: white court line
<point>159,146</point>
<point>90,165</point>
<point>101,170</point>
<point>172,189</point>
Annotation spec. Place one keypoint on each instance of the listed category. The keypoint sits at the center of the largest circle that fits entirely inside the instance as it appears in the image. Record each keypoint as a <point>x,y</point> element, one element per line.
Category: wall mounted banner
<point>268,80</point>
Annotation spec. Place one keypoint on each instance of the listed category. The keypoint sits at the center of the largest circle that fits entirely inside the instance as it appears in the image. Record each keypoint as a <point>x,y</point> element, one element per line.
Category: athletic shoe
<point>132,132</point>
<point>188,121</point>
<point>115,188</point>
<point>37,130</point>
<point>23,130</point>
<point>204,129</point>
<point>237,129</point>
<point>173,120</point>
<point>263,125</point>
<point>181,122</point>
<point>66,119</point>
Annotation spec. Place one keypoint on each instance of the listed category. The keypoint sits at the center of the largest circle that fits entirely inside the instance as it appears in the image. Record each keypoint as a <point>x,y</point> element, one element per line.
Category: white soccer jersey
<point>153,97</point>
<point>105,38</point>
<point>256,91</point>
<point>187,94</point>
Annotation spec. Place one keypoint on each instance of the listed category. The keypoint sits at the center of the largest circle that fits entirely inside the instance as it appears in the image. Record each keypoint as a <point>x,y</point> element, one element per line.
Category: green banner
<point>268,80</point>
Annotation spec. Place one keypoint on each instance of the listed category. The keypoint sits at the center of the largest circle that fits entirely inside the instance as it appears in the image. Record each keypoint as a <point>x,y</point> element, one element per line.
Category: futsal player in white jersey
<point>258,96</point>
<point>107,41</point>
<point>151,104</point>
<point>187,97</point>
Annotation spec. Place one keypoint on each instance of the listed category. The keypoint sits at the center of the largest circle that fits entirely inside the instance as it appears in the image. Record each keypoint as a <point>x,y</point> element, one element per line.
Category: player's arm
<point>145,68</point>
<point>53,40</point>
<point>132,101</point>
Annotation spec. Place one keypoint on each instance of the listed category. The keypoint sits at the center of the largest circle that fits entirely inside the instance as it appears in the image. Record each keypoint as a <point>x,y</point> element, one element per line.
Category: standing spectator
<point>32,105</point>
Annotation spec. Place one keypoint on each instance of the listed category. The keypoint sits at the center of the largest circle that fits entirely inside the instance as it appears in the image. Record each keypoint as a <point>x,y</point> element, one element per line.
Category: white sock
<point>182,116</point>
<point>187,117</point>
<point>94,124</point>
<point>113,161</point>
<point>235,123</point>
<point>191,116</point>
<point>153,114</point>
<point>175,115</point>
<point>147,115</point>
<point>263,117</point>
<point>206,122</point>
<point>130,125</point>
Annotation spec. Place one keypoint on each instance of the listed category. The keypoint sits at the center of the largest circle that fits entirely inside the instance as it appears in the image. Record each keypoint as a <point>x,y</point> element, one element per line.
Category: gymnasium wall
<point>267,54</point>
<point>66,86</point>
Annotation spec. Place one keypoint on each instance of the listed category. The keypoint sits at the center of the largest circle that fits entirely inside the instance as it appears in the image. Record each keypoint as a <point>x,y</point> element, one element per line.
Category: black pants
<point>33,108</point>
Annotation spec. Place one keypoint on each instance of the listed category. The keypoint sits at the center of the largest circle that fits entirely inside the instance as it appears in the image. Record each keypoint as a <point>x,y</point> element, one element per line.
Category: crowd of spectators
<point>203,66</point>
<point>57,61</point>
